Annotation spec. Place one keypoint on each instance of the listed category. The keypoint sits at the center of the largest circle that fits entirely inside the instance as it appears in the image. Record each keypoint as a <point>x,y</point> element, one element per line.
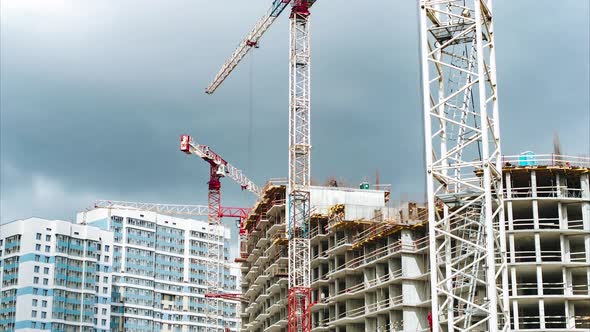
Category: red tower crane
<point>219,168</point>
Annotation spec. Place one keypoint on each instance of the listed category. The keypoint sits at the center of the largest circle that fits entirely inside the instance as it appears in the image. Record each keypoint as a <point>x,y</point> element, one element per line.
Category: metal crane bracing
<point>174,209</point>
<point>218,168</point>
<point>299,294</point>
<point>463,166</point>
<point>179,209</point>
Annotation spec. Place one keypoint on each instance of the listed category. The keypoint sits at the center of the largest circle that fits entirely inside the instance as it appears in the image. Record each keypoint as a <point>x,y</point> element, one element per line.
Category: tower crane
<point>463,160</point>
<point>299,293</point>
<point>463,166</point>
<point>219,168</point>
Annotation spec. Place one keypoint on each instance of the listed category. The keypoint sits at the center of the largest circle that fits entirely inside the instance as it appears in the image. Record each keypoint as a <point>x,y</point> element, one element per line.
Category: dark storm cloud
<point>94,95</point>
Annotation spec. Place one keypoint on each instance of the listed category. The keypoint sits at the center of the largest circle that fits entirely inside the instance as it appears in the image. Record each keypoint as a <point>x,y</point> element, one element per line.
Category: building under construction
<point>370,264</point>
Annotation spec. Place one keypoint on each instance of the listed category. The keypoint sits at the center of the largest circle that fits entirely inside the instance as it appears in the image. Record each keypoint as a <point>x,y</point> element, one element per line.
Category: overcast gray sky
<point>94,95</point>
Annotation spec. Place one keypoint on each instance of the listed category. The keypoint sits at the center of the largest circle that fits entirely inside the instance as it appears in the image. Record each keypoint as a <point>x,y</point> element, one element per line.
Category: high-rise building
<point>56,276</point>
<point>370,267</point>
<point>548,240</point>
<point>159,271</point>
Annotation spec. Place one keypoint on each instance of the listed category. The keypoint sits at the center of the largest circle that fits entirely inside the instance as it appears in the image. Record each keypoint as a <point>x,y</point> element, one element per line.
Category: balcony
<point>276,207</point>
<point>548,192</point>
<point>530,256</point>
<point>557,322</point>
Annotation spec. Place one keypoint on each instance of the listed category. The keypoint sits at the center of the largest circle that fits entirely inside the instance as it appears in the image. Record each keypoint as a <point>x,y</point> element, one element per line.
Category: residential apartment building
<point>159,271</point>
<point>370,265</point>
<point>362,278</point>
<point>548,236</point>
<point>55,276</point>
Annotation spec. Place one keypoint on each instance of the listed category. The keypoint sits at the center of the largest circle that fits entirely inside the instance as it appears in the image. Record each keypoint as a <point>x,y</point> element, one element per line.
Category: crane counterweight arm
<point>246,45</point>
<point>188,146</point>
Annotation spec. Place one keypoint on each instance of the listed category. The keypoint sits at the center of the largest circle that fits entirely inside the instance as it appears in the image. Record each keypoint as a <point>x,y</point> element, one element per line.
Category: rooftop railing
<point>528,159</point>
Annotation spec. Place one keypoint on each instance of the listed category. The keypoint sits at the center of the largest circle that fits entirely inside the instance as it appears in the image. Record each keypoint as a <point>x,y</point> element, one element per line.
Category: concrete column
<point>542,314</point>
<point>515,314</point>
<point>539,280</point>
<point>534,183</point>
<point>559,182</point>
<point>570,312</point>
<point>585,186</point>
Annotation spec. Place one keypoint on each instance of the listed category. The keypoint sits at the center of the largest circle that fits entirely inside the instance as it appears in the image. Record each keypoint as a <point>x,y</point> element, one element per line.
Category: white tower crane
<point>299,295</point>
<point>464,171</point>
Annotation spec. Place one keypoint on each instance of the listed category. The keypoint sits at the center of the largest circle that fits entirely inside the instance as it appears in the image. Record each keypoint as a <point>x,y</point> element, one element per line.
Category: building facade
<point>370,266</point>
<point>159,271</point>
<point>55,276</point>
<point>548,236</point>
<point>363,278</point>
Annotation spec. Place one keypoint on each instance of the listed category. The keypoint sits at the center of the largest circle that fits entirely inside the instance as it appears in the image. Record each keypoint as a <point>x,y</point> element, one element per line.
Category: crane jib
<point>278,6</point>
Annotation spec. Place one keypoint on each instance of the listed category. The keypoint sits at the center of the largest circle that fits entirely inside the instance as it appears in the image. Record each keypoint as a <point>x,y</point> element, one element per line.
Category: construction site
<point>499,242</point>
<point>369,262</point>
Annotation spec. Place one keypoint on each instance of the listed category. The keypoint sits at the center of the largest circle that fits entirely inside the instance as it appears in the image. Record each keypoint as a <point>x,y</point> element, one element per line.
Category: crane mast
<point>298,213</point>
<point>215,247</point>
<point>463,166</point>
<point>299,294</point>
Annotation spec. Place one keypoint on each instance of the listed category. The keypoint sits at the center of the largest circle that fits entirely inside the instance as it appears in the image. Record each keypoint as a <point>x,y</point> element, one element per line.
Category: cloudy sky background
<point>94,95</point>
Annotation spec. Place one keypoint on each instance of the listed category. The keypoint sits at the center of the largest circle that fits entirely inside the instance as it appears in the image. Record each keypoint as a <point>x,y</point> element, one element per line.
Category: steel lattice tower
<point>463,160</point>
<point>299,296</point>
<point>215,260</point>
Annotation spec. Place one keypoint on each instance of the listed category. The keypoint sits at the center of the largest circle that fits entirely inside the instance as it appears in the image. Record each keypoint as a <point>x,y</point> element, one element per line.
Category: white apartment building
<point>159,271</point>
<point>56,276</point>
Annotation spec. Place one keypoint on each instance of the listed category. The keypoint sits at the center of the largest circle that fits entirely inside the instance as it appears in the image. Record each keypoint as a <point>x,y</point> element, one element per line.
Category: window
<point>43,314</point>
<point>34,313</point>
<point>106,259</point>
<point>44,304</point>
<point>95,321</point>
<point>45,294</point>
<point>36,269</point>
<point>104,311</point>
<point>106,248</point>
<point>45,281</point>
<point>104,290</point>
<point>43,326</point>
<point>47,237</point>
<point>105,279</point>
<point>37,258</point>
<point>105,269</point>
<point>38,237</point>
<point>35,280</point>
<point>35,291</point>
<point>46,259</point>
<point>46,270</point>
<point>95,310</point>
<point>37,247</point>
<point>103,322</point>
<point>47,248</point>
<point>34,302</point>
